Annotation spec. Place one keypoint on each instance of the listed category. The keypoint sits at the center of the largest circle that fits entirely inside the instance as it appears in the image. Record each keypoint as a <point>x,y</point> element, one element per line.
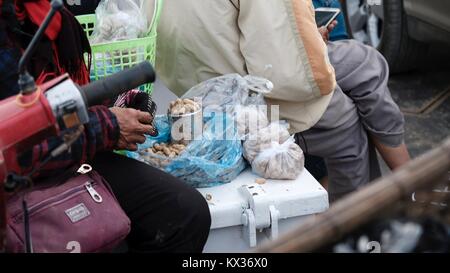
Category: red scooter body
<point>24,122</point>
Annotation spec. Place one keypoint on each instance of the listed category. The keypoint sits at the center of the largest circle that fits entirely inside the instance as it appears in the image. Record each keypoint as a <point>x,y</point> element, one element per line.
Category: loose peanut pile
<point>165,149</point>
<point>181,107</point>
<point>161,155</point>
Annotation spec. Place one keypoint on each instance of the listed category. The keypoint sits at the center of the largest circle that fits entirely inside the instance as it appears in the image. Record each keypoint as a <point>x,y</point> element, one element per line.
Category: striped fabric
<point>316,49</point>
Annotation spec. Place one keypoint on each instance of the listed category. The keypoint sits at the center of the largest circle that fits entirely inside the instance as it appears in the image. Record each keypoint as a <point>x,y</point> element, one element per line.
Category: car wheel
<point>382,24</point>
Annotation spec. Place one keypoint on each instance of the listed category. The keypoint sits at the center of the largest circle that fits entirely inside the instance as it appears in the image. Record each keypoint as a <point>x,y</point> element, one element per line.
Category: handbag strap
<point>26,226</point>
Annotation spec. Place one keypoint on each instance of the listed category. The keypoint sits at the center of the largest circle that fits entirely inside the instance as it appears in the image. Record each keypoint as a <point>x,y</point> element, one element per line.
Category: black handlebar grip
<point>112,86</point>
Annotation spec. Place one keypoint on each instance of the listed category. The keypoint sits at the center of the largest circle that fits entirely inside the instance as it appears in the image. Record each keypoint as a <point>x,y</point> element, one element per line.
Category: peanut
<point>157,147</point>
<point>183,106</point>
<point>166,151</point>
<point>260,181</point>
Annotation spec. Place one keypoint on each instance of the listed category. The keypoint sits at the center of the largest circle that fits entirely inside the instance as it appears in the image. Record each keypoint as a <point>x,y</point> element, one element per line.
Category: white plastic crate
<point>245,214</point>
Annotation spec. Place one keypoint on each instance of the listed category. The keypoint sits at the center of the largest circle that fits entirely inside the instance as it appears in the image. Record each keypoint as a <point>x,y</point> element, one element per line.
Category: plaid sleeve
<point>100,134</point>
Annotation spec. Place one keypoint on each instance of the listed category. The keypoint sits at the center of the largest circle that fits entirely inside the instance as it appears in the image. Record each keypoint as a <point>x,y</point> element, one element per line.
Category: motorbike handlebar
<point>112,86</point>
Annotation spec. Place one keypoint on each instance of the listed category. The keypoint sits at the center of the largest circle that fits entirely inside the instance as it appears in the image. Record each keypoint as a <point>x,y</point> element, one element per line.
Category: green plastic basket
<point>109,58</point>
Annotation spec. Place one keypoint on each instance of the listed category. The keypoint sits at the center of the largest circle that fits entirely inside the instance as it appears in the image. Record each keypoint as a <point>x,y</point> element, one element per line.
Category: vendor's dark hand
<point>133,124</point>
<point>140,101</point>
<point>325,31</point>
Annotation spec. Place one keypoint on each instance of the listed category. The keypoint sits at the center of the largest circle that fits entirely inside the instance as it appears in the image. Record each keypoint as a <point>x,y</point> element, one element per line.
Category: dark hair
<point>9,50</point>
<point>8,16</point>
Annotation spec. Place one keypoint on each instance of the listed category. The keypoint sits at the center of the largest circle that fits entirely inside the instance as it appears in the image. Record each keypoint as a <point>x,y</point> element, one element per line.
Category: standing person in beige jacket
<point>333,94</point>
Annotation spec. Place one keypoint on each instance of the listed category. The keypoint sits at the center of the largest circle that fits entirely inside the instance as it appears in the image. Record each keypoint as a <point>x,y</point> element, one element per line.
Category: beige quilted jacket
<point>275,39</point>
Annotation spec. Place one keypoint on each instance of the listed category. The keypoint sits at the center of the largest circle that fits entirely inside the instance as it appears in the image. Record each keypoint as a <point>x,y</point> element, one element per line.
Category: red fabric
<point>83,77</point>
<point>36,11</point>
<point>46,76</point>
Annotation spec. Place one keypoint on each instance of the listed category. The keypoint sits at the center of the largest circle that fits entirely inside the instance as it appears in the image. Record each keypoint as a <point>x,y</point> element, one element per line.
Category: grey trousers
<point>361,106</point>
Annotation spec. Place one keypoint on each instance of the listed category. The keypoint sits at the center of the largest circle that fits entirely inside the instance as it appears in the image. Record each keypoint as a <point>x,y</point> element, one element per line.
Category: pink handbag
<point>80,215</point>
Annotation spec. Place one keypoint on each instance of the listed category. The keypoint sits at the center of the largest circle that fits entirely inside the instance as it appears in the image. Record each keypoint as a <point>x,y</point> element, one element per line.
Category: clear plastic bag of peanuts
<point>283,161</point>
<point>222,94</point>
<point>240,97</point>
<point>119,20</point>
<point>262,139</point>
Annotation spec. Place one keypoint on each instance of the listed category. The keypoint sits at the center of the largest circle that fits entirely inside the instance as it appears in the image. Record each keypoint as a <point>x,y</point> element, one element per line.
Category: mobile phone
<point>324,16</point>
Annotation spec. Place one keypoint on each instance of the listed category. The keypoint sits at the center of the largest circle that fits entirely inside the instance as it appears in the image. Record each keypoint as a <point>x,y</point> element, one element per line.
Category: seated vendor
<point>166,214</point>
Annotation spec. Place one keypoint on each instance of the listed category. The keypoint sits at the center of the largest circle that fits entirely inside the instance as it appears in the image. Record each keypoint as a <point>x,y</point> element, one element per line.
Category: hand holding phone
<point>324,16</point>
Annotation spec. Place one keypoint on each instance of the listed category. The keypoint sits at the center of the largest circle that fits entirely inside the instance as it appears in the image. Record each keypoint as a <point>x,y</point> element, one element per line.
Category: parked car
<point>400,29</point>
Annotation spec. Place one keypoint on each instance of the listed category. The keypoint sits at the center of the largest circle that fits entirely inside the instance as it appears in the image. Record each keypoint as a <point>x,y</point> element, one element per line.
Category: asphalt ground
<point>423,96</point>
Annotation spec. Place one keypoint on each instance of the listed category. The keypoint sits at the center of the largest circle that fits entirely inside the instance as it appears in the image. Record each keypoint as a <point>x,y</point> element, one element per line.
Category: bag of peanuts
<point>262,139</point>
<point>250,119</point>
<point>240,97</point>
<point>220,94</point>
<point>214,159</point>
<point>273,153</point>
<point>280,161</point>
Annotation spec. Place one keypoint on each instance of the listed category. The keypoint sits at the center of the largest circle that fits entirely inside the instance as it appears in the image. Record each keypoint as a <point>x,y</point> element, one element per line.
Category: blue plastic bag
<point>213,160</point>
<point>163,127</point>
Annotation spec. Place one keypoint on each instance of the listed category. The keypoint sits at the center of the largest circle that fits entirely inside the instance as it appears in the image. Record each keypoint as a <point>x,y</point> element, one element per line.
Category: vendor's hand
<point>325,32</point>
<point>133,124</point>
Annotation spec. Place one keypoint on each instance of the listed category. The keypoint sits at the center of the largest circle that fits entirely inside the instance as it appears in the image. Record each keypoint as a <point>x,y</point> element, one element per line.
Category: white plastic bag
<point>280,161</point>
<point>250,118</point>
<point>224,93</point>
<point>262,139</point>
<point>120,20</point>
